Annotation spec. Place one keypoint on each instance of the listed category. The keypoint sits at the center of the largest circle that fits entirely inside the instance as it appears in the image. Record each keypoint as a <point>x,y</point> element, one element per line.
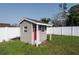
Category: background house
<point>4,25</point>
<point>8,25</point>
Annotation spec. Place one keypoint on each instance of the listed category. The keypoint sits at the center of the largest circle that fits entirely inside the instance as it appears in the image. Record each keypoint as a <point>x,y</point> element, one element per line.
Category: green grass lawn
<point>59,45</point>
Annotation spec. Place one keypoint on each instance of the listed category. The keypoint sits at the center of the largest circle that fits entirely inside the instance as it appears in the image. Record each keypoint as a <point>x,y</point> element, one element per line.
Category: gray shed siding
<point>26,36</point>
<point>43,36</point>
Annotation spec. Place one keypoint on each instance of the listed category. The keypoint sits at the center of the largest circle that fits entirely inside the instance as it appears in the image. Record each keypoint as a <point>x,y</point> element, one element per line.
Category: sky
<point>13,13</point>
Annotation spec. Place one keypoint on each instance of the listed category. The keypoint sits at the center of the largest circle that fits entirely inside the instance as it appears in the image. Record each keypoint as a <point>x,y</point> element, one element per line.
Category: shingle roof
<point>34,21</point>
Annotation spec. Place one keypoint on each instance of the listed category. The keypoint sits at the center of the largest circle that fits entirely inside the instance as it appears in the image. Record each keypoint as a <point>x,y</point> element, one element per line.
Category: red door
<point>34,35</point>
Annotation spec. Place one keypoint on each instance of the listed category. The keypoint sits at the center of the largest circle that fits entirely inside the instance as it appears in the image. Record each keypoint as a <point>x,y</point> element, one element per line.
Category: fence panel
<point>7,33</point>
<point>74,31</point>
<point>57,30</point>
<point>66,31</point>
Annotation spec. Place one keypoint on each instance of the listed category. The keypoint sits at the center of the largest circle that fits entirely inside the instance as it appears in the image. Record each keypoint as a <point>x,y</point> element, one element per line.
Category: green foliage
<point>73,16</point>
<point>45,20</point>
<point>58,45</point>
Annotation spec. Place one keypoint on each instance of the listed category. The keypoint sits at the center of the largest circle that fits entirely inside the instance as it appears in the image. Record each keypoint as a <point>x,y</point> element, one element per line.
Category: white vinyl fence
<point>7,33</point>
<point>74,31</point>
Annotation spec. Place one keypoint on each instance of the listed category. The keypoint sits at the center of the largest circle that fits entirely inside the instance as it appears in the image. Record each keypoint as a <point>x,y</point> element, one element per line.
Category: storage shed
<point>33,31</point>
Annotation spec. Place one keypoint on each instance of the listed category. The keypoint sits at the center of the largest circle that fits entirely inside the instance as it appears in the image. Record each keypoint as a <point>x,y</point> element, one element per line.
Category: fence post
<point>53,30</point>
<point>50,33</point>
<point>71,30</point>
<point>61,30</point>
<point>50,36</point>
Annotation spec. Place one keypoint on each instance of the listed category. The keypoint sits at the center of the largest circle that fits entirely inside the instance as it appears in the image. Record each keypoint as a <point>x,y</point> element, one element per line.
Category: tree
<point>63,13</point>
<point>55,21</point>
<point>59,19</point>
<point>73,16</point>
<point>46,20</point>
<point>63,8</point>
<point>14,25</point>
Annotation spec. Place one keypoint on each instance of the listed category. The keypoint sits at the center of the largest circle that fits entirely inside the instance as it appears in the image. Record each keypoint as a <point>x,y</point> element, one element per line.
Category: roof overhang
<point>34,22</point>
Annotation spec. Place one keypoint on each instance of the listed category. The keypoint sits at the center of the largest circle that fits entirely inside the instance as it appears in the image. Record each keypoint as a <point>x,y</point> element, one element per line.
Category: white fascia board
<point>44,24</point>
